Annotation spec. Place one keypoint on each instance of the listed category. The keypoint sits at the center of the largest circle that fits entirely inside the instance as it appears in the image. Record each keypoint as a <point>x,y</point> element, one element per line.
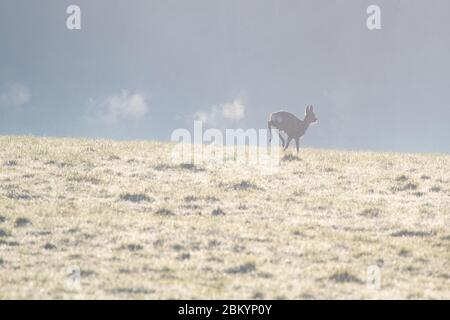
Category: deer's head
<point>310,117</point>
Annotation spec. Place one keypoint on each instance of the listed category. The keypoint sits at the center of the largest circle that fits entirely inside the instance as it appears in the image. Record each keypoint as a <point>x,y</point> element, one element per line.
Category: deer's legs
<point>282,139</point>
<point>297,142</point>
<point>269,125</point>
<point>287,143</point>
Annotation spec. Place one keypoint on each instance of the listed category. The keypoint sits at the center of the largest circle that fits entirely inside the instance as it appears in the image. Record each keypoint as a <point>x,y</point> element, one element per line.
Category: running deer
<point>291,125</point>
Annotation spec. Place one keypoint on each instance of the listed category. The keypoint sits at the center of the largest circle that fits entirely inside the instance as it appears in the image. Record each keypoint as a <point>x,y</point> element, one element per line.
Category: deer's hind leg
<point>297,143</point>
<point>289,139</point>
<point>269,126</point>
<point>282,139</point>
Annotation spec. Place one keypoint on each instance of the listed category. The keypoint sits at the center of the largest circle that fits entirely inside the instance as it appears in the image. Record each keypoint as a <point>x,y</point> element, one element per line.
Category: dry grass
<point>139,226</point>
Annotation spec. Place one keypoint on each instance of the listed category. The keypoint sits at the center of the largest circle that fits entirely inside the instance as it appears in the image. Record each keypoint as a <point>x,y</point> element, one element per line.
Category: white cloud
<point>120,106</point>
<point>15,95</point>
<point>218,114</point>
<point>211,118</point>
<point>234,111</point>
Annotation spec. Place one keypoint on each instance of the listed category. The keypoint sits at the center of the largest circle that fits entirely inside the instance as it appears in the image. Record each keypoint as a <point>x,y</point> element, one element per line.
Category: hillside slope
<point>105,219</point>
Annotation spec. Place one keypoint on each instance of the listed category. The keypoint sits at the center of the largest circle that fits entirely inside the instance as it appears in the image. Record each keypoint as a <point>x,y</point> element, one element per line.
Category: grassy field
<point>105,219</point>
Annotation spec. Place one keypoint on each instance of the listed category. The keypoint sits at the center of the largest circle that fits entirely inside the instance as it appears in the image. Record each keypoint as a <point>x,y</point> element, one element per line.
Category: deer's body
<point>291,125</point>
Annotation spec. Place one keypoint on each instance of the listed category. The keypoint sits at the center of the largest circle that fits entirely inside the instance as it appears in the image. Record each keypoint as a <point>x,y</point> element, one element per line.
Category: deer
<point>293,127</point>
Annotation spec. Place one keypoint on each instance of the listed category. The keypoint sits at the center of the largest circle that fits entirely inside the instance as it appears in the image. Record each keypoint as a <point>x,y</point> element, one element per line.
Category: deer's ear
<point>307,109</point>
<point>311,108</point>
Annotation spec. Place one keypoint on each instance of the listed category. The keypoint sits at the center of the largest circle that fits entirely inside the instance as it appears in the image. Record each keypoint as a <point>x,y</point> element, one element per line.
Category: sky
<point>138,70</point>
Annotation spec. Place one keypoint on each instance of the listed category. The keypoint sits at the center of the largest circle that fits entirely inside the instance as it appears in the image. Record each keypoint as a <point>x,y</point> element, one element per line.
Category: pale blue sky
<point>140,69</point>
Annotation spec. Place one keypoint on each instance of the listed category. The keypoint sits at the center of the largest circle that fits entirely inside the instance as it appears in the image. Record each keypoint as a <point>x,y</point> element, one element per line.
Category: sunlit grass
<point>138,225</point>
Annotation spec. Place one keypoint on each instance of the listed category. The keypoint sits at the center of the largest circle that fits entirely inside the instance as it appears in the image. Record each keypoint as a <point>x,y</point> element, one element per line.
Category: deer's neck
<point>306,123</point>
